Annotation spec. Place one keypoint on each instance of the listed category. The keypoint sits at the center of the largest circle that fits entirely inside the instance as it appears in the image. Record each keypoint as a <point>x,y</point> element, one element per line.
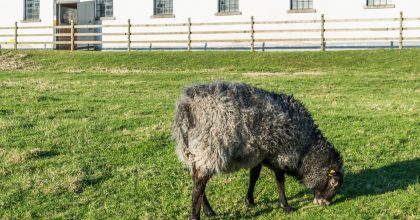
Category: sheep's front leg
<point>207,207</point>
<point>198,194</point>
<point>254,174</point>
<point>280,188</point>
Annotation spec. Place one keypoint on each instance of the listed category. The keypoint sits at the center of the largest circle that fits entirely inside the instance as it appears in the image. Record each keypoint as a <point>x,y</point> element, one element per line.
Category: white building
<point>60,12</point>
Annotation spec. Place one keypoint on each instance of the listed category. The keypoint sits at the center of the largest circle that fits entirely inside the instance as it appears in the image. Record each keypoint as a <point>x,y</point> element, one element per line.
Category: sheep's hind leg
<point>280,188</point>
<point>207,207</point>
<point>200,182</point>
<point>254,174</point>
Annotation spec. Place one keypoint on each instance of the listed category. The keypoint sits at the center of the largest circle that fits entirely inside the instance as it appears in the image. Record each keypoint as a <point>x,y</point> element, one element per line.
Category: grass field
<point>86,135</point>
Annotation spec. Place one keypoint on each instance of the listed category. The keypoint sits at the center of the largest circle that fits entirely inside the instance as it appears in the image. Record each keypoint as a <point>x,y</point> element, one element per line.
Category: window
<point>31,10</point>
<point>301,4</point>
<point>163,7</point>
<point>104,8</point>
<point>226,6</point>
<point>378,2</point>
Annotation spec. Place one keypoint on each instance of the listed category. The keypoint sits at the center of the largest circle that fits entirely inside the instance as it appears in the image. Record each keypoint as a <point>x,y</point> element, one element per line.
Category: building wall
<point>205,10</point>
<point>12,11</point>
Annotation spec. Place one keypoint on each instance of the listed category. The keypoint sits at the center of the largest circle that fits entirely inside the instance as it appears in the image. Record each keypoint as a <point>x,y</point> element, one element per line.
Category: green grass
<point>87,135</point>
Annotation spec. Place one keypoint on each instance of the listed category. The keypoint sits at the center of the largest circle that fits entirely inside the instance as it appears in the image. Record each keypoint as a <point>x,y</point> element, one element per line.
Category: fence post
<point>322,32</point>
<point>401,29</point>
<point>72,35</point>
<point>189,34</point>
<point>129,35</point>
<point>16,36</point>
<point>252,34</point>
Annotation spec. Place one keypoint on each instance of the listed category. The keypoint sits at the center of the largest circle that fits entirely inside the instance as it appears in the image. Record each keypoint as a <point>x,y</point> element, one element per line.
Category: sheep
<point>222,127</point>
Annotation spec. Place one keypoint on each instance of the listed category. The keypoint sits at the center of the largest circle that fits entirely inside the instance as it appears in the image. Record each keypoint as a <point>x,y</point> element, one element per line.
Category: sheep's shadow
<point>377,181</point>
<point>385,179</point>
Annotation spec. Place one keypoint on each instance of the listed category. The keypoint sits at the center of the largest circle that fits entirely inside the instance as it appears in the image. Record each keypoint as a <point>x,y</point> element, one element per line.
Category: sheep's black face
<point>325,194</point>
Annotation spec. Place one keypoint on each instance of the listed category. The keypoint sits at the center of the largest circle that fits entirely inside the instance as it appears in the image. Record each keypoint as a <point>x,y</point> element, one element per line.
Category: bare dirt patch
<point>278,74</point>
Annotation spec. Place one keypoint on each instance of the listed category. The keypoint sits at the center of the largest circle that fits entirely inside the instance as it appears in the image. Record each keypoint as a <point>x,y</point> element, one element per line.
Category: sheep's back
<point>231,126</point>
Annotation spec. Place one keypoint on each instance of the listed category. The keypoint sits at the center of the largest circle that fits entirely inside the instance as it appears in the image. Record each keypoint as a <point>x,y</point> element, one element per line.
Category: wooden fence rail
<point>251,27</point>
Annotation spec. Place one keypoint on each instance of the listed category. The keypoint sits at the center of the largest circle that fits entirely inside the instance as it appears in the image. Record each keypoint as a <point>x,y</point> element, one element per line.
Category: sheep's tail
<point>183,122</point>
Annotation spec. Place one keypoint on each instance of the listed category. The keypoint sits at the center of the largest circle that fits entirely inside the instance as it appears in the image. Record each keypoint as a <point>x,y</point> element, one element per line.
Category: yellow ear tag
<point>331,173</point>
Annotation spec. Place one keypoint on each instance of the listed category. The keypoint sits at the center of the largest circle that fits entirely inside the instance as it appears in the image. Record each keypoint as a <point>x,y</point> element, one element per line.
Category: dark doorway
<point>66,13</point>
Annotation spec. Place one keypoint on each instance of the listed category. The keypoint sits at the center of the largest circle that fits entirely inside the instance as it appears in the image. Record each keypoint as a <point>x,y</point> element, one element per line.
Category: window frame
<point>163,15</point>
<point>98,13</point>
<point>236,11</point>
<point>301,10</point>
<point>379,6</point>
<point>25,12</point>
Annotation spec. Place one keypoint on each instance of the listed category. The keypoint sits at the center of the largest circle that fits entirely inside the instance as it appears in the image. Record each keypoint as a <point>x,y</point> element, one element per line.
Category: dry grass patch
<point>44,85</point>
<point>74,70</point>
<point>8,84</point>
<point>11,156</point>
<point>147,132</point>
<point>12,61</point>
<point>277,74</point>
<point>4,125</point>
<point>139,70</point>
<point>76,183</point>
<point>112,71</point>
<point>120,70</point>
<point>41,85</point>
<point>14,156</point>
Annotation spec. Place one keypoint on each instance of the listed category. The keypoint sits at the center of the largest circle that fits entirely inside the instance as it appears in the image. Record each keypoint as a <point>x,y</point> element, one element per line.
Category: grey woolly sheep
<point>223,127</point>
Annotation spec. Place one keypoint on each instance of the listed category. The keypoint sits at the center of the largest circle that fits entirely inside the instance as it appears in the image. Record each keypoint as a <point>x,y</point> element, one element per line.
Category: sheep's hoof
<point>249,202</point>
<point>209,213</point>
<point>193,218</point>
<point>288,209</point>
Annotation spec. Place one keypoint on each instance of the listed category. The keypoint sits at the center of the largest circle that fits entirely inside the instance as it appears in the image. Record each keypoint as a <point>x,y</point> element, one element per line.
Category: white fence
<point>190,35</point>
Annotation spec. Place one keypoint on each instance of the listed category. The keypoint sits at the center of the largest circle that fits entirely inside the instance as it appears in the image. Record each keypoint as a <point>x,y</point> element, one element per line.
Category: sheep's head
<point>324,194</point>
<point>322,171</point>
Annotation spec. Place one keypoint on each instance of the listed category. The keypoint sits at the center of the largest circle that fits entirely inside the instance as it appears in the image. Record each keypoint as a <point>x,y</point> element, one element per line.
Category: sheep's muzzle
<point>321,201</point>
